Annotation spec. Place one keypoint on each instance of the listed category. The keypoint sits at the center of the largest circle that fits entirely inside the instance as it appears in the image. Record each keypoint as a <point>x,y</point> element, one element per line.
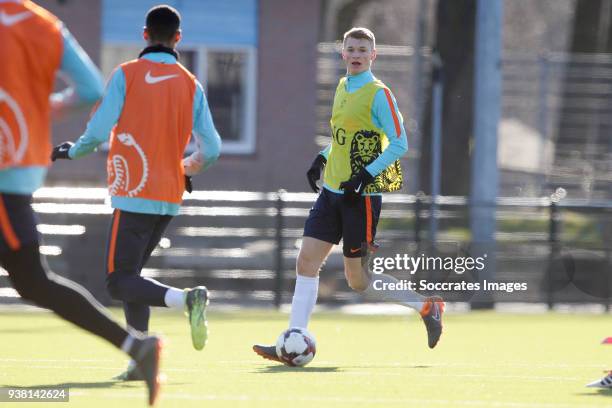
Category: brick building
<point>257,61</point>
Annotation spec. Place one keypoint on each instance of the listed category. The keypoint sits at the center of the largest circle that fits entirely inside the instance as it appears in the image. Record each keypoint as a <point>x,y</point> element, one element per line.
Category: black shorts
<point>17,222</point>
<point>331,219</point>
<point>132,239</point>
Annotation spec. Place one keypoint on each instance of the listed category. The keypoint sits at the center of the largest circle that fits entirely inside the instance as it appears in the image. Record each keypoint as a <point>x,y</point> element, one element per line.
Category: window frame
<point>247,142</point>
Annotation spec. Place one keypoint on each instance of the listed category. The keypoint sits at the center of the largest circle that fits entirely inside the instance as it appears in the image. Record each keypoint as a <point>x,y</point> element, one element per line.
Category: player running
<point>151,106</point>
<point>368,138</point>
<point>35,45</point>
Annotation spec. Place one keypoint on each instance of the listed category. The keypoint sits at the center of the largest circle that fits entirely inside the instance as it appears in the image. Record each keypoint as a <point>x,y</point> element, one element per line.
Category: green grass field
<point>483,360</point>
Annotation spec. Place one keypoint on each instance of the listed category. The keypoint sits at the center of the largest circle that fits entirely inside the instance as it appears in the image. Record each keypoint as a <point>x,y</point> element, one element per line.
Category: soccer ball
<point>296,347</point>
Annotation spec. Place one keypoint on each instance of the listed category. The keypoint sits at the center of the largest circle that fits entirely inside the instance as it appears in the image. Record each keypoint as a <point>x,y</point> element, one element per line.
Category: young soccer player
<point>368,137</point>
<point>151,107</point>
<point>35,45</point>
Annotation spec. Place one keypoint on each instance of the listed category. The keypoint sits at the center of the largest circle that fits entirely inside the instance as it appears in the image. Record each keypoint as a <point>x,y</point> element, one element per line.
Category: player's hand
<point>188,185</point>
<point>355,186</point>
<point>314,172</point>
<point>61,151</point>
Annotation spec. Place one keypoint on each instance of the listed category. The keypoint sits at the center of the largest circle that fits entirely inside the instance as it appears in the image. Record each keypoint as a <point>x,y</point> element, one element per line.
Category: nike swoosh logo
<point>150,79</point>
<point>63,149</point>
<point>354,250</point>
<point>436,314</point>
<point>358,187</point>
<point>12,19</point>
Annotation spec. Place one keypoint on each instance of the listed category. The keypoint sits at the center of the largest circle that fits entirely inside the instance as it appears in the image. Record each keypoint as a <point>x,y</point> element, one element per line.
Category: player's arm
<point>85,84</point>
<point>325,152</point>
<point>207,139</point>
<point>103,120</point>
<point>314,172</point>
<point>386,115</point>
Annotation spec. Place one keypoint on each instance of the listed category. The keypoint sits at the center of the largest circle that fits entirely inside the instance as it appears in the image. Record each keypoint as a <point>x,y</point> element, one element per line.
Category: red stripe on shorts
<point>113,242</point>
<point>368,204</point>
<point>7,229</point>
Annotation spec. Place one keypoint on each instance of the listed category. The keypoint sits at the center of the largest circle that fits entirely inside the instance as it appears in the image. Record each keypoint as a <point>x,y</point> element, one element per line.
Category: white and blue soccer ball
<point>296,347</point>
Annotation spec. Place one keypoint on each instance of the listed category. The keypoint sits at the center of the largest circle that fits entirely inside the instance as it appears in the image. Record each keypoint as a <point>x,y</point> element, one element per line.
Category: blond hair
<point>360,33</point>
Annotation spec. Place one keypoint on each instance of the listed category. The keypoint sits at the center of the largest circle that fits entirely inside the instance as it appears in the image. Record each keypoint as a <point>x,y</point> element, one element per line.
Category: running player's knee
<point>358,285</point>
<point>306,265</point>
<point>355,278</point>
<point>35,289</point>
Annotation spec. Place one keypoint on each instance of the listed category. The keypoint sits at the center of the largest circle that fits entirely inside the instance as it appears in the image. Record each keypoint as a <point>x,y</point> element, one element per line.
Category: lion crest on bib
<point>366,146</point>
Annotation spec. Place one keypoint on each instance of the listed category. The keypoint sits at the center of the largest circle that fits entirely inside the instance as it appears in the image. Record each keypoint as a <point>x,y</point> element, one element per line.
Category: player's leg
<point>175,298</point>
<point>313,253</point>
<point>132,239</point>
<point>193,301</point>
<point>137,315</point>
<point>20,256</point>
<point>359,229</point>
<point>67,299</point>
<point>126,246</point>
<point>321,231</point>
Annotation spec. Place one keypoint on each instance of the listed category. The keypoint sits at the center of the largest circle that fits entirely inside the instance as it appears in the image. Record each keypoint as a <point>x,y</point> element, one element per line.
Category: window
<point>228,77</point>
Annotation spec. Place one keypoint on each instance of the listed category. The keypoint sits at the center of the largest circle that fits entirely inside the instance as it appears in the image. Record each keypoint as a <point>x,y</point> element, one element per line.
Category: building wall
<point>286,101</point>
<point>83,19</point>
<point>286,41</point>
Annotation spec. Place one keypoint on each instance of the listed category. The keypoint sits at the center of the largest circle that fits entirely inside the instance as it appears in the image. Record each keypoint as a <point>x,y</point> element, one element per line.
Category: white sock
<point>127,344</point>
<point>304,300</point>
<point>175,298</point>
<point>405,297</point>
<point>131,365</point>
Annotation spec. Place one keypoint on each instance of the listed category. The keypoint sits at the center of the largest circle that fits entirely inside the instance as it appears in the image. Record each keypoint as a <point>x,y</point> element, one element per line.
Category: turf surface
<point>483,360</point>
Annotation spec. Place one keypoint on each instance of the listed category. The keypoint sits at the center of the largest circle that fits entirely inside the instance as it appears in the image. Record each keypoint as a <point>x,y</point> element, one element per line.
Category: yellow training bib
<point>356,141</point>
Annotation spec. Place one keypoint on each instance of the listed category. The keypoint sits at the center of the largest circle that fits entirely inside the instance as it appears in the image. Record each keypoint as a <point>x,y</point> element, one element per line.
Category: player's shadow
<point>600,391</point>
<point>389,367</point>
<point>287,369</point>
<point>46,329</point>
<point>76,385</point>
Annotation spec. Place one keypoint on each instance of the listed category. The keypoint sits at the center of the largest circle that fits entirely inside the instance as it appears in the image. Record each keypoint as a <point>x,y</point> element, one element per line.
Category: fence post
<point>278,286</point>
<point>544,62</point>
<point>608,280</point>
<point>553,239</point>
<point>418,208</point>
<point>436,145</point>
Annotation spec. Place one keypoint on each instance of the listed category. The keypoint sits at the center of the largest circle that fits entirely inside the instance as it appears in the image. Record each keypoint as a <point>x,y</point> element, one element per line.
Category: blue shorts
<point>331,219</point>
<point>17,222</point>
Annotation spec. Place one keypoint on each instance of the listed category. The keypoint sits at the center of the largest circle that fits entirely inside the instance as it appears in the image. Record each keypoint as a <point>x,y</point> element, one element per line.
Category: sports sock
<point>127,344</point>
<point>175,298</point>
<point>131,365</point>
<point>403,297</point>
<point>304,300</point>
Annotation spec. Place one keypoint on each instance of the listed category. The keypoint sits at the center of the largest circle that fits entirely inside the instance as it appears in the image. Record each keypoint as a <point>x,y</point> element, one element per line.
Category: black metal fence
<point>243,245</point>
